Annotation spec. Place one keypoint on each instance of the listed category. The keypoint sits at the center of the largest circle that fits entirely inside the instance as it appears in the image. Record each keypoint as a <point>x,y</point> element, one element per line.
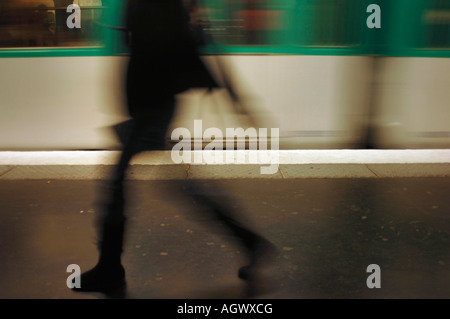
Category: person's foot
<point>256,273</point>
<point>102,279</point>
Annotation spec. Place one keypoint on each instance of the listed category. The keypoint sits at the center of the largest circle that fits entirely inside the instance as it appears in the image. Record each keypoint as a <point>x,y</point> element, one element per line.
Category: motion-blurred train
<point>327,73</point>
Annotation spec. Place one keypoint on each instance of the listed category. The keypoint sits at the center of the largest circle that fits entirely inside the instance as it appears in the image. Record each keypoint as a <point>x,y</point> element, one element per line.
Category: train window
<point>436,21</point>
<point>242,22</point>
<point>320,23</point>
<point>328,23</point>
<point>43,23</point>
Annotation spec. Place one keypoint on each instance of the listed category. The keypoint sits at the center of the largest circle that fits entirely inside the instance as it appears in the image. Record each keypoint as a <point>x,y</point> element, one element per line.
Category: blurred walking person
<point>164,62</point>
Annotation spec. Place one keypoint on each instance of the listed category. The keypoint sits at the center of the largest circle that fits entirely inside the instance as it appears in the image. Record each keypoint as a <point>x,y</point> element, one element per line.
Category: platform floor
<point>328,230</point>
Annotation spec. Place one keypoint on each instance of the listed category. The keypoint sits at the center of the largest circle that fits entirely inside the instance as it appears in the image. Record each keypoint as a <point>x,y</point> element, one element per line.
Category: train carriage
<point>320,70</point>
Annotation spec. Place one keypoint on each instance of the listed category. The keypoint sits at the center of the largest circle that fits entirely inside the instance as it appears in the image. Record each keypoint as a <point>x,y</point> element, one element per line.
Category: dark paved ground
<point>328,232</point>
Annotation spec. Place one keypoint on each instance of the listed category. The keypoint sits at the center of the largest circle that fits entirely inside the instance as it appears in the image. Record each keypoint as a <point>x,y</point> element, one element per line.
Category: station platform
<point>159,165</point>
<point>331,214</point>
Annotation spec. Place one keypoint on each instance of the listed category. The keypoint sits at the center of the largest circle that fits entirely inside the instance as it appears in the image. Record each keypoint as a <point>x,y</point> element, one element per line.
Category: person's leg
<point>260,251</point>
<point>109,274</point>
<point>147,133</point>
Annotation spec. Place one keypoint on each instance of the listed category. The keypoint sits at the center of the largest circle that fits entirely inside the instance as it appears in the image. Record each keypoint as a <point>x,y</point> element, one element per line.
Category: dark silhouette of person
<point>164,62</point>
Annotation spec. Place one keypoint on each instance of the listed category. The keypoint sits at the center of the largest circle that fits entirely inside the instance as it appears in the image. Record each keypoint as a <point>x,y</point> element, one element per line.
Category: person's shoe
<point>102,279</point>
<point>256,273</point>
<point>258,282</point>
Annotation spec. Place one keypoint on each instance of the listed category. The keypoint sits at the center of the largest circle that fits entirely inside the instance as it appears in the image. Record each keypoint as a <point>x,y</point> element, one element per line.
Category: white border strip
<point>18,158</point>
